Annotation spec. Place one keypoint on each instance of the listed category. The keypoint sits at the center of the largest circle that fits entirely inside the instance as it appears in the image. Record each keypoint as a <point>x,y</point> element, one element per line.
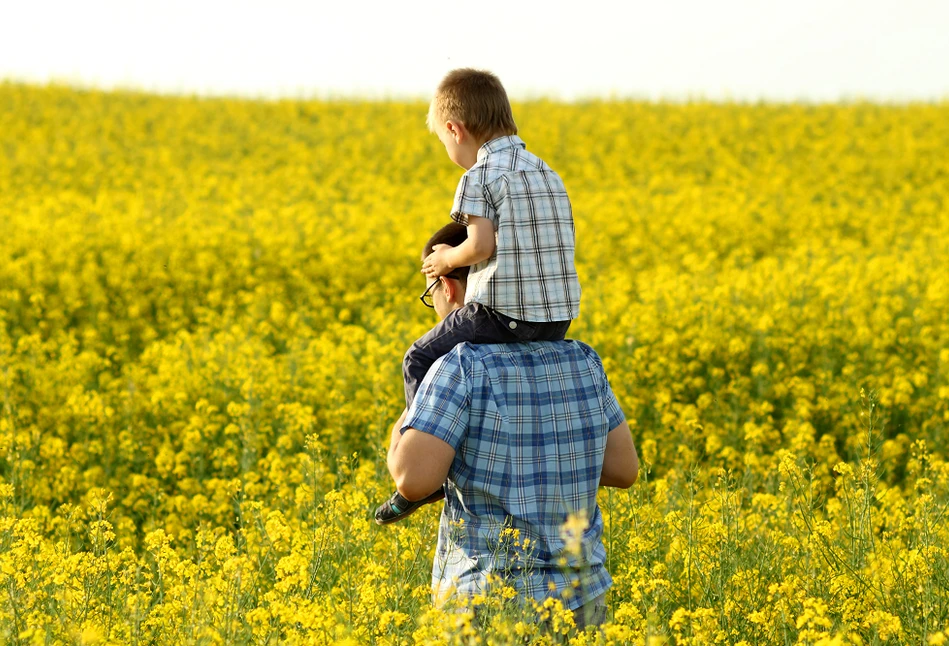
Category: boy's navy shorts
<point>474,323</point>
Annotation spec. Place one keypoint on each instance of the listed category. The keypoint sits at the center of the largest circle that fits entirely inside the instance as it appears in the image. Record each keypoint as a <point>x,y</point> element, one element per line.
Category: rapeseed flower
<point>204,303</point>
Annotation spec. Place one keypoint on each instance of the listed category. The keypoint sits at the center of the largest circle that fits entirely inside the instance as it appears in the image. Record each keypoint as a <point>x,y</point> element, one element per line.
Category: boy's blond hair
<point>477,99</point>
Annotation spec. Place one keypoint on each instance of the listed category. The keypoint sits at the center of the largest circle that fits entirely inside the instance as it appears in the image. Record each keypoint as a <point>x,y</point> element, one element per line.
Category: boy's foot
<point>397,507</point>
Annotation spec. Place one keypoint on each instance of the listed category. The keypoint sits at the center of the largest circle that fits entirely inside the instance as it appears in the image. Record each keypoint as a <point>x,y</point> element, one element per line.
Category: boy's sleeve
<point>472,198</point>
<point>442,402</point>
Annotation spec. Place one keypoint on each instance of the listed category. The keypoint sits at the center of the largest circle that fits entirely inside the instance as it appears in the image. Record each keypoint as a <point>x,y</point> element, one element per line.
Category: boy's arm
<point>478,247</point>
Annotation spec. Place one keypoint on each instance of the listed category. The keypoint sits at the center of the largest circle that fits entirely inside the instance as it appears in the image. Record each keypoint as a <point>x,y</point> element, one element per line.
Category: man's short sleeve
<point>471,198</point>
<point>442,401</point>
<point>611,408</point>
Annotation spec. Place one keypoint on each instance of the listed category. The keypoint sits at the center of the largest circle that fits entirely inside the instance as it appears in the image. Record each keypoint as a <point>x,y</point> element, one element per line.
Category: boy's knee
<point>410,358</point>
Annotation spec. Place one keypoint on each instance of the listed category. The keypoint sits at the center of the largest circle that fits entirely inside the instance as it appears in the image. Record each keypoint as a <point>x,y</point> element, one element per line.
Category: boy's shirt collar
<point>493,146</point>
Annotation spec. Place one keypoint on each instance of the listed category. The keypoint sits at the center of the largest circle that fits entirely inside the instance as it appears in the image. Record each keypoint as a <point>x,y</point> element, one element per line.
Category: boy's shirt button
<point>512,325</point>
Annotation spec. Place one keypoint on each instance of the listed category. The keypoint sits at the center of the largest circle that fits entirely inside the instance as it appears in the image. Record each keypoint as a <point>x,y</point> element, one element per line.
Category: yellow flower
<point>204,305</point>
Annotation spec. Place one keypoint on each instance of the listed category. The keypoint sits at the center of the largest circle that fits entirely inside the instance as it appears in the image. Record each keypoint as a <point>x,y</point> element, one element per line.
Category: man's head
<point>447,293</point>
<point>470,108</point>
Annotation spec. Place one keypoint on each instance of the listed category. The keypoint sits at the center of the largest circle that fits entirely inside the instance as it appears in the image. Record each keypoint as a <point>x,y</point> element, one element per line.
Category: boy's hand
<point>437,263</point>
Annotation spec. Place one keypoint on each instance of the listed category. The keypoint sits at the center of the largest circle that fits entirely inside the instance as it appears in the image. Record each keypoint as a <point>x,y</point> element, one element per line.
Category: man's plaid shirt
<point>531,276</point>
<point>528,422</point>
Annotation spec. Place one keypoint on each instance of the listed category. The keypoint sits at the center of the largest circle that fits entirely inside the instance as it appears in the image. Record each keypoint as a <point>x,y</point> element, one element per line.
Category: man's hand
<point>438,263</point>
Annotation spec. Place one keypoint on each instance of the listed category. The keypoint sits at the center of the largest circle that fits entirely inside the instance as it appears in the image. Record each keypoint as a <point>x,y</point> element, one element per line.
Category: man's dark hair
<point>452,234</point>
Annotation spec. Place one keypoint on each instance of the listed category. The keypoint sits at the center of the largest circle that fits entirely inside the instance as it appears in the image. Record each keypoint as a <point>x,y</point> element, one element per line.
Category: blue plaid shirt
<point>528,422</point>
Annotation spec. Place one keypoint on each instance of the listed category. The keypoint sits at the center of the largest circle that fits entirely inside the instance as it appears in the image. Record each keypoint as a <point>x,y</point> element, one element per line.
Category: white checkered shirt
<point>531,276</point>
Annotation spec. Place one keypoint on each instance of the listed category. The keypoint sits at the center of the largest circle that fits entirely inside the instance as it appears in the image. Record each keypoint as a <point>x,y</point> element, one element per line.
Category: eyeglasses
<point>426,296</point>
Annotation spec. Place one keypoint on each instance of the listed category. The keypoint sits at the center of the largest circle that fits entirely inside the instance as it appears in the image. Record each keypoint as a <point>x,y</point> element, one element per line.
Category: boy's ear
<point>457,130</point>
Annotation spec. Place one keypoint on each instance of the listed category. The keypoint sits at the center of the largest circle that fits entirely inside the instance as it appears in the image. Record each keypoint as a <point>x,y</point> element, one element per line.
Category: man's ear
<point>448,288</point>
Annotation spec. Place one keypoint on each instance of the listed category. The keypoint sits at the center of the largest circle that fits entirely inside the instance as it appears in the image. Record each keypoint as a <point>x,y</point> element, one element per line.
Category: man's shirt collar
<point>493,146</point>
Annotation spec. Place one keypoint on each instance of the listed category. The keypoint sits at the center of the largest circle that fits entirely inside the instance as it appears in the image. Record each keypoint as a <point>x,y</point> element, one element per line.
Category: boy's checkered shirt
<point>528,422</point>
<point>531,276</point>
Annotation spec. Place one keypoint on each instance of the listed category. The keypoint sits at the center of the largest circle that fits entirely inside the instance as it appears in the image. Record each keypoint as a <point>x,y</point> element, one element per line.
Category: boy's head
<point>470,107</point>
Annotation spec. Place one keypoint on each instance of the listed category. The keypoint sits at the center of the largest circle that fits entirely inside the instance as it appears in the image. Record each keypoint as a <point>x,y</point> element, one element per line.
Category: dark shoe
<point>397,507</point>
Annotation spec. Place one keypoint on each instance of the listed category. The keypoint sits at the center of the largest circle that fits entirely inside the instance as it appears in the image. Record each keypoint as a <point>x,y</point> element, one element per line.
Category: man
<point>521,435</point>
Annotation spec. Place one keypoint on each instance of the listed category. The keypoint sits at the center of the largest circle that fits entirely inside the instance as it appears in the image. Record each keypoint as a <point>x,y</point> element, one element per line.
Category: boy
<point>522,282</point>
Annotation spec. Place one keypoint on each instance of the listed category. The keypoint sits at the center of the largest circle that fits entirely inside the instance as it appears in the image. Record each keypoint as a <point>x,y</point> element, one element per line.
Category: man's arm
<point>395,435</point>
<point>620,461</point>
<point>418,462</point>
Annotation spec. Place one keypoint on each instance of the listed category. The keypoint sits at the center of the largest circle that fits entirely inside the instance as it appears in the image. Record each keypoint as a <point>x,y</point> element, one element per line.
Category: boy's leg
<point>460,325</point>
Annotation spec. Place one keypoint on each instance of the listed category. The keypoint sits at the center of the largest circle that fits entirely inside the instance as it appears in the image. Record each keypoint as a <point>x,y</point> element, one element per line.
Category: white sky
<point>818,50</point>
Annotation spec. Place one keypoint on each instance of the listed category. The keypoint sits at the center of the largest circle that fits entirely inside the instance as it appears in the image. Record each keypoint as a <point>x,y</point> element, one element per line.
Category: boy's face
<point>447,135</point>
<point>461,147</point>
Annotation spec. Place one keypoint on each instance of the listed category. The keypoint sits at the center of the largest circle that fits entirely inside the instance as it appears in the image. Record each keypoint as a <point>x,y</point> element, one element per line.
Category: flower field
<point>204,305</point>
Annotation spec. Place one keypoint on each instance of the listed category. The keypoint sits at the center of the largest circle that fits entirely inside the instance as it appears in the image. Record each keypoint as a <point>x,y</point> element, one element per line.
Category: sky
<point>805,50</point>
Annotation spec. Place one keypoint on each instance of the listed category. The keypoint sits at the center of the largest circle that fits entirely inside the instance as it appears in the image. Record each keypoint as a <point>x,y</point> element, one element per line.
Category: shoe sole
<point>411,510</point>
